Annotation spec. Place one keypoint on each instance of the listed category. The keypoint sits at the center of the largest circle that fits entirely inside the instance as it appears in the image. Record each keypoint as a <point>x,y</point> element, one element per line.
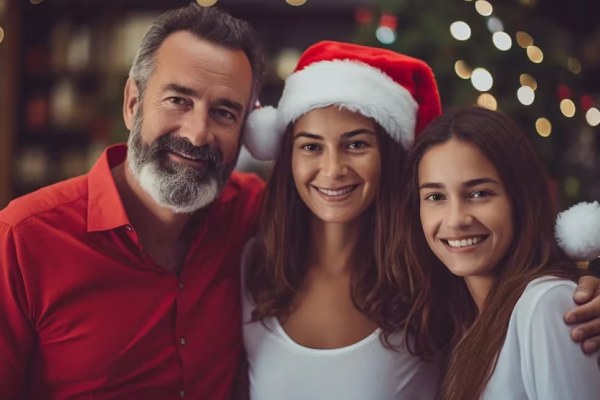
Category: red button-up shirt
<point>85,314</point>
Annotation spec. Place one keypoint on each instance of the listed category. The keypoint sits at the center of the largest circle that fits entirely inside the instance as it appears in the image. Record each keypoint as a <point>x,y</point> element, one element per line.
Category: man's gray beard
<point>179,187</point>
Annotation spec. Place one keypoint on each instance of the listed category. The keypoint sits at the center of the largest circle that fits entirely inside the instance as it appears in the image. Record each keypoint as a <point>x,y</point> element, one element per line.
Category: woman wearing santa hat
<point>322,318</point>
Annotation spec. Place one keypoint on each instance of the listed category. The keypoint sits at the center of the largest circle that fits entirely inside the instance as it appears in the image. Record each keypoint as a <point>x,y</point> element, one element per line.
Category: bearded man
<point>124,283</point>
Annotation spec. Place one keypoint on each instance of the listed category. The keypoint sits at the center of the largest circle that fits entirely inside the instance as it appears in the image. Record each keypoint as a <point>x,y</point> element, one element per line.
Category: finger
<point>586,286</point>
<point>591,346</point>
<point>584,312</point>
<point>590,331</point>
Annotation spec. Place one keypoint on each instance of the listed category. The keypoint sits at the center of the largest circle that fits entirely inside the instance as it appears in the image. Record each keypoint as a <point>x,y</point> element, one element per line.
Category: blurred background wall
<point>64,63</point>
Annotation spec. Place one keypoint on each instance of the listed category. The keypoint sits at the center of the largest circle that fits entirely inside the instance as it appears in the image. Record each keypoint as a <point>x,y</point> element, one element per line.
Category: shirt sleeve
<point>554,367</point>
<point>17,337</point>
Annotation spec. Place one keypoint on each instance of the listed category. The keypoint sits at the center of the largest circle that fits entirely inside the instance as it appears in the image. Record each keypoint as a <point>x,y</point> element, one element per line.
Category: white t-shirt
<point>281,369</point>
<point>538,360</point>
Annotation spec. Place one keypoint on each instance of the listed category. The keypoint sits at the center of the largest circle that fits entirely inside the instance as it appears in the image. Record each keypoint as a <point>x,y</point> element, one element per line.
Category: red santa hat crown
<point>399,92</point>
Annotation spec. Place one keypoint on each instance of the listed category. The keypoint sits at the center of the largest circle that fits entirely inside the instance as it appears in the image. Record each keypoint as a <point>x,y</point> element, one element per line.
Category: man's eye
<point>225,114</point>
<point>177,100</point>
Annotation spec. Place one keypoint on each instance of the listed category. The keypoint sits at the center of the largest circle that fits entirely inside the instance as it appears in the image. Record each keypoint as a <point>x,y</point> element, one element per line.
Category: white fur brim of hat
<point>578,231</point>
<point>353,85</point>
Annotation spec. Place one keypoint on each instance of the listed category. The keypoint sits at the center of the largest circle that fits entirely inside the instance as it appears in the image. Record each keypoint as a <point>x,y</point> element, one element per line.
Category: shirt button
<point>182,341</point>
<point>182,394</point>
<point>180,285</point>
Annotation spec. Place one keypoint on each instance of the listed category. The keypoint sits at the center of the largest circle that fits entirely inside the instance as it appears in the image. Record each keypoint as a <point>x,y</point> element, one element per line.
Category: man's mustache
<point>184,148</point>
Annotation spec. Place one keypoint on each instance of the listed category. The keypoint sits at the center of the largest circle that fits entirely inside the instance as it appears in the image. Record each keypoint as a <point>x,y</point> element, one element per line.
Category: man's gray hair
<point>208,23</point>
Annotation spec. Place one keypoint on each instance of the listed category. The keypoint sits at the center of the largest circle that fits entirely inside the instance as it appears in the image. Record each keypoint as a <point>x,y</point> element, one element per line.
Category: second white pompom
<point>578,231</point>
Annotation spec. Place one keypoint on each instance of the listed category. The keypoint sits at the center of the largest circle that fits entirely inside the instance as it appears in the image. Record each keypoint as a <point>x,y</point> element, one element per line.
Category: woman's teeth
<point>465,242</point>
<point>337,192</point>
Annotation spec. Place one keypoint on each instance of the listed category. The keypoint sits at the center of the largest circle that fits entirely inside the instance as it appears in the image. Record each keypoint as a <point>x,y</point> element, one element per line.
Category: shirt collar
<point>105,208</point>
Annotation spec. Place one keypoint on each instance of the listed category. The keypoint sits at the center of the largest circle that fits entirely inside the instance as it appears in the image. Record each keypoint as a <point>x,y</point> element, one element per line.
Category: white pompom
<point>578,231</point>
<point>262,136</point>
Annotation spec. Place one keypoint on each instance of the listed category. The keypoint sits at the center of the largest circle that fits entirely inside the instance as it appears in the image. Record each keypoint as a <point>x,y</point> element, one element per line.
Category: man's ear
<point>131,100</point>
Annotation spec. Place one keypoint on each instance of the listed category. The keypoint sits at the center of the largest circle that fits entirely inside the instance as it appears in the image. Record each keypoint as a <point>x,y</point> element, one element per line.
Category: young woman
<point>483,251</point>
<point>322,318</point>
<point>321,315</point>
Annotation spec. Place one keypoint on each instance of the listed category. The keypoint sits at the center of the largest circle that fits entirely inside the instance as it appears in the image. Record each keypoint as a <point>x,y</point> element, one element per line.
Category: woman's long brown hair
<point>441,301</point>
<point>277,267</point>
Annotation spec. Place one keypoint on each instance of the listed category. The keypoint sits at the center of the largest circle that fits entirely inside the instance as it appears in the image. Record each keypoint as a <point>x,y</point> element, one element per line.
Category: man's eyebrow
<point>174,87</point>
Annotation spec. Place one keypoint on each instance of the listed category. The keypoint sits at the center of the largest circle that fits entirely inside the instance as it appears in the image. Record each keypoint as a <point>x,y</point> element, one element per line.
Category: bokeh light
<point>460,30</point>
<point>535,54</point>
<point>462,69</point>
<point>543,127</point>
<point>593,116</point>
<point>488,101</point>
<point>206,3</point>
<point>524,39</point>
<point>526,95</point>
<point>502,41</point>
<point>484,8</point>
<point>482,80</point>
<point>528,80</point>
<point>385,35</point>
<point>567,107</point>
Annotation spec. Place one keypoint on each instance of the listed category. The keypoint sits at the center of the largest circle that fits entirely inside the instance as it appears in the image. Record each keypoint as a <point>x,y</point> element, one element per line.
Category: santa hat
<point>399,92</point>
<point>578,231</point>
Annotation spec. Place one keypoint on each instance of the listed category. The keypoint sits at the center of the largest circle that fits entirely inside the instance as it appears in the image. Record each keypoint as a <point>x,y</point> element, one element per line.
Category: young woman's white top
<point>538,360</point>
<point>280,368</point>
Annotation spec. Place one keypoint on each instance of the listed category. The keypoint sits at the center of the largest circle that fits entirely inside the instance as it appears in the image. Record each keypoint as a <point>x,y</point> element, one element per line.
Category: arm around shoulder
<point>17,336</point>
<point>553,365</point>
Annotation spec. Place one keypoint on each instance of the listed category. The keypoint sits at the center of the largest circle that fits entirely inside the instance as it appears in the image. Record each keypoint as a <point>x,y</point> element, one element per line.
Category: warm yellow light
<point>206,3</point>
<point>527,80</point>
<point>526,95</point>
<point>1,34</point>
<point>295,2</point>
<point>482,80</point>
<point>460,30</point>
<point>524,39</point>
<point>543,127</point>
<point>567,107</point>
<point>488,101</point>
<point>502,41</point>
<point>535,54</point>
<point>574,65</point>
<point>462,69</point>
<point>592,116</point>
<point>286,62</point>
<point>484,8</point>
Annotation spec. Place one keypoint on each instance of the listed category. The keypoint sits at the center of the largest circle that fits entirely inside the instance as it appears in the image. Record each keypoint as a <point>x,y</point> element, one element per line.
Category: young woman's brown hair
<point>277,267</point>
<point>441,298</point>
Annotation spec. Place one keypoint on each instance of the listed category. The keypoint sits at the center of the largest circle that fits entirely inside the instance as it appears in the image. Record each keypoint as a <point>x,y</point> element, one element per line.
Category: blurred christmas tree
<point>500,55</point>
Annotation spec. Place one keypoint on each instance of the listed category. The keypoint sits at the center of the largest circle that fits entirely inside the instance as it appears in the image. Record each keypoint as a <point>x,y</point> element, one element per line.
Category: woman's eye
<point>357,145</point>
<point>310,147</point>
<point>481,193</point>
<point>435,197</point>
